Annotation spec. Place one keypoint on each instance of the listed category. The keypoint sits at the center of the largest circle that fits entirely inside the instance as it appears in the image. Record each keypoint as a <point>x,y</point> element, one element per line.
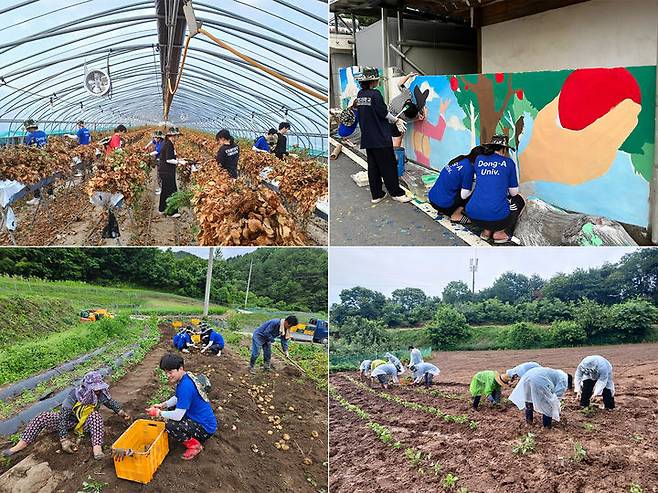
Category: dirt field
<point>621,446</point>
<point>227,463</point>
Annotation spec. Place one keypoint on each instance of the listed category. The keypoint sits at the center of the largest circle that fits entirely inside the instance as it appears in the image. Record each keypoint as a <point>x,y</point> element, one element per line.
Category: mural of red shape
<point>588,94</point>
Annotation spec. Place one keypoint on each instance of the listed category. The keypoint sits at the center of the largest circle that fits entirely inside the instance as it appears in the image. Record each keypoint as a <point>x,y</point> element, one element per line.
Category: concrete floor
<point>355,221</point>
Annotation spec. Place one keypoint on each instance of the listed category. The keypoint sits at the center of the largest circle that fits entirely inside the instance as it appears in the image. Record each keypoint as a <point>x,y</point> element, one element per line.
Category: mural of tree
<point>490,96</point>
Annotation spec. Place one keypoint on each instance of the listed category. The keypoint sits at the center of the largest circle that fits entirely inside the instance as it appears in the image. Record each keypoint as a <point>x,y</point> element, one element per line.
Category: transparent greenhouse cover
<point>48,47</point>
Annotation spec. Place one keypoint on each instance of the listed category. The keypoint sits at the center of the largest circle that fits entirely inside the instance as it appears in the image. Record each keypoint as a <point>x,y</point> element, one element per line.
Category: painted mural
<point>584,139</point>
<point>348,85</point>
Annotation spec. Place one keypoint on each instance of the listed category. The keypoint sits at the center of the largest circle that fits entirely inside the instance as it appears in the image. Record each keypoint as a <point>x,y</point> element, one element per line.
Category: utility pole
<point>206,302</point>
<point>473,267</point>
<point>251,264</point>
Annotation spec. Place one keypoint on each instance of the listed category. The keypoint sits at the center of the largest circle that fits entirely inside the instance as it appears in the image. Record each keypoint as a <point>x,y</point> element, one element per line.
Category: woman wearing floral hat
<point>79,411</point>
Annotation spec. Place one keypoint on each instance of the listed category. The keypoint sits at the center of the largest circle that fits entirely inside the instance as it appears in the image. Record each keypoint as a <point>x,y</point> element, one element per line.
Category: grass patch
<point>313,359</point>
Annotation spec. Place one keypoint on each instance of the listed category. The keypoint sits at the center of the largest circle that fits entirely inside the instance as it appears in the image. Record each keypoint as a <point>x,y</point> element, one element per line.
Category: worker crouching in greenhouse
<point>541,389</point>
<point>167,169</point>
<point>229,152</point>
<point>189,415</point>
<point>79,412</point>
<point>487,383</point>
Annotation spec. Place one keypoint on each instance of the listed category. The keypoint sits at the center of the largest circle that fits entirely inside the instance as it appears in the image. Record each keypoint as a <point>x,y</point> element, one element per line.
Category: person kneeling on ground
<point>495,179</point>
<point>228,154</point>
<point>454,186</point>
<point>364,369</point>
<point>190,419</point>
<point>385,374</point>
<point>594,378</point>
<point>415,356</point>
<point>424,373</point>
<point>264,336</point>
<point>214,342</point>
<point>183,339</point>
<point>265,142</point>
<point>541,389</point>
<point>487,383</point>
<point>519,370</point>
<point>80,412</point>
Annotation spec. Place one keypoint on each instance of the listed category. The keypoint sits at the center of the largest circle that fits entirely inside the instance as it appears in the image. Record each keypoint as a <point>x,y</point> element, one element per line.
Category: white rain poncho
<point>520,370</point>
<point>422,368</point>
<point>394,359</point>
<point>365,366</point>
<point>543,387</point>
<point>386,369</point>
<point>415,357</point>
<point>594,368</point>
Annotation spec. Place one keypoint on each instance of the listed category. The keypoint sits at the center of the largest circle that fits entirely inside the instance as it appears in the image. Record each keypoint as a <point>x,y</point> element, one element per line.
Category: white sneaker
<point>78,174</point>
<point>34,201</point>
<point>377,201</point>
<point>219,354</point>
<point>185,350</point>
<point>176,215</point>
<point>402,198</point>
<point>157,191</point>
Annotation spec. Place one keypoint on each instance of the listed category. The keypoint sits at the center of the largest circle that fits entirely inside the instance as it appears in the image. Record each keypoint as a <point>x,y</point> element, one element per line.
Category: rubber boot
<point>252,370</point>
<point>547,421</point>
<point>194,448</point>
<point>528,413</point>
<point>476,401</point>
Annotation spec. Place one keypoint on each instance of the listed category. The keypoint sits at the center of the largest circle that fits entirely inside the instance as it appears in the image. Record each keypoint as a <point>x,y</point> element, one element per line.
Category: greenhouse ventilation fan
<point>97,82</point>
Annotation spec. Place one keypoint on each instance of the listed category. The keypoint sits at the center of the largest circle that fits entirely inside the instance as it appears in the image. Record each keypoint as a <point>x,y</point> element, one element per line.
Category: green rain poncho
<point>376,363</point>
<point>484,383</point>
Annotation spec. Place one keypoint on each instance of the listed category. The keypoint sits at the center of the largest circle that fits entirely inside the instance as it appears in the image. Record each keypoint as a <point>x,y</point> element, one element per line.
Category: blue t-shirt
<point>452,179</point>
<point>216,338</point>
<point>494,174</point>
<point>181,340</point>
<point>195,407</point>
<point>38,138</point>
<point>261,143</point>
<point>84,137</point>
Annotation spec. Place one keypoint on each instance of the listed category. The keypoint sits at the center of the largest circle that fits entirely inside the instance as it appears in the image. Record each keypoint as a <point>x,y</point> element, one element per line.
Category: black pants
<point>449,211</point>
<point>428,379</point>
<point>169,188</point>
<point>232,170</point>
<point>215,348</point>
<point>494,398</point>
<point>183,430</point>
<point>382,165</point>
<point>588,390</point>
<point>547,421</point>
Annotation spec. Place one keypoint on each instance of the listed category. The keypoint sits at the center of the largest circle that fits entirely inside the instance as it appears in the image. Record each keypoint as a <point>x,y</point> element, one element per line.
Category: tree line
<point>286,279</point>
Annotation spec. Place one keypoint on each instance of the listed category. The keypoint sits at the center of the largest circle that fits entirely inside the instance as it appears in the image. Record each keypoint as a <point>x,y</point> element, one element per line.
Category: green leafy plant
<point>463,489</point>
<point>14,439</point>
<point>437,468</point>
<point>580,454</point>
<point>182,198</point>
<point>637,437</point>
<point>589,411</point>
<point>635,488</point>
<point>91,486</point>
<point>413,456</point>
<point>449,480</point>
<point>525,445</point>
<point>589,427</point>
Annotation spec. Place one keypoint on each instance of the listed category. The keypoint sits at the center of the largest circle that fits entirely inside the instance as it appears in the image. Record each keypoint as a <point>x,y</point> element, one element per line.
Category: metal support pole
<point>251,264</point>
<point>399,44</point>
<point>408,60</point>
<point>355,60</point>
<point>385,43</point>
<point>206,301</point>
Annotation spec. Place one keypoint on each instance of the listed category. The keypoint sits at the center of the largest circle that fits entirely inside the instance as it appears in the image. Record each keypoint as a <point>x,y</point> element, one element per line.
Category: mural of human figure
<point>424,132</point>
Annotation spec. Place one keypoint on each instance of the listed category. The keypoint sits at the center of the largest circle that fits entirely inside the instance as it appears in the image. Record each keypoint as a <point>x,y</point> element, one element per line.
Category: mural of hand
<point>573,157</point>
<point>443,106</point>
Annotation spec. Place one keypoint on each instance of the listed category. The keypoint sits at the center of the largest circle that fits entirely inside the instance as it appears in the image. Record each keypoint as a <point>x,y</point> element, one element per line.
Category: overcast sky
<point>385,269</point>
<point>203,252</point>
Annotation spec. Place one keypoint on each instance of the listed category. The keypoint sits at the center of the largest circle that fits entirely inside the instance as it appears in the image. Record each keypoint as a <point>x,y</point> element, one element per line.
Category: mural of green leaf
<point>646,125</point>
<point>643,162</point>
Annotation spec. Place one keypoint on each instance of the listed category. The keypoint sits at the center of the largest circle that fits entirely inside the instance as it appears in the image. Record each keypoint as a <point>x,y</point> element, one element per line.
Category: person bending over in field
<point>385,374</point>
<point>519,370</point>
<point>594,378</point>
<point>424,373</point>
<point>265,335</point>
<point>487,383</point>
<point>415,356</point>
<point>391,358</point>
<point>79,411</point>
<point>364,369</point>
<point>189,415</point>
<point>213,341</point>
<point>541,389</point>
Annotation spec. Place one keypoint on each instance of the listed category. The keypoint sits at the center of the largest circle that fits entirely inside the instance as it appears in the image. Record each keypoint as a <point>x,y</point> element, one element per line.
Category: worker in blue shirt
<point>376,139</point>
<point>38,138</point>
<point>265,335</point>
<point>156,144</point>
<point>451,191</point>
<point>83,135</point>
<point>189,415</point>
<point>265,142</point>
<point>183,339</point>
<point>495,180</point>
<point>212,341</point>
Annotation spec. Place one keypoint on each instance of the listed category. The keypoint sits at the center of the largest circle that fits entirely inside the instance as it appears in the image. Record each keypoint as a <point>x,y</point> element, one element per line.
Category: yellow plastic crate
<point>150,445</point>
<point>196,338</point>
<point>195,321</point>
<point>177,324</point>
